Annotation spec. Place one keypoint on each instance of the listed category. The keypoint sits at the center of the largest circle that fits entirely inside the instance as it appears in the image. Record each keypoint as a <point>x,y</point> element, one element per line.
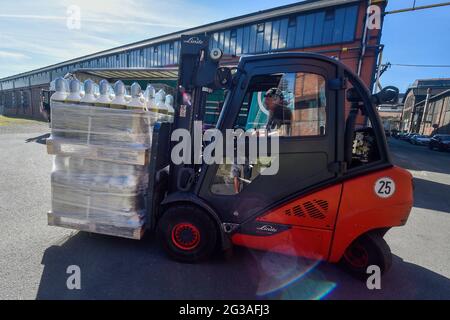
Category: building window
<point>329,14</point>
<point>292,21</point>
<point>260,27</point>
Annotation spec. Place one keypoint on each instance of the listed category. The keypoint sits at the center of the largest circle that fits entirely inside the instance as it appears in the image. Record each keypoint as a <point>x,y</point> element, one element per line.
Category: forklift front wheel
<point>369,249</point>
<point>187,233</point>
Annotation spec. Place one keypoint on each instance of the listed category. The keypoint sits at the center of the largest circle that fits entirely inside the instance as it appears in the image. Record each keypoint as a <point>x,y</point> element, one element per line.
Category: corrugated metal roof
<point>148,73</point>
<point>435,97</point>
<point>307,5</point>
<point>431,83</point>
<point>427,83</point>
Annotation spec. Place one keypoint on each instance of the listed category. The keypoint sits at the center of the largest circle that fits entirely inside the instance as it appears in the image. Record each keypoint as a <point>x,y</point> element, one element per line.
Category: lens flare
<point>290,277</point>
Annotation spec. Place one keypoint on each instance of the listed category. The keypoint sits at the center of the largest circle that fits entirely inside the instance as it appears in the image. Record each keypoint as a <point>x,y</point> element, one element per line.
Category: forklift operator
<point>279,114</point>
<point>280,118</point>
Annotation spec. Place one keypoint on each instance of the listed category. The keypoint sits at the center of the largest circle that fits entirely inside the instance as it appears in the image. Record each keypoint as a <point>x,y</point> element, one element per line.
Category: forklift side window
<point>298,110</point>
<point>298,107</point>
<point>362,146</point>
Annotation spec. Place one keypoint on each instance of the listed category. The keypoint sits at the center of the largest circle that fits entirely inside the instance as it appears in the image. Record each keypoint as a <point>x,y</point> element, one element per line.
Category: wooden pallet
<point>134,156</point>
<point>125,232</point>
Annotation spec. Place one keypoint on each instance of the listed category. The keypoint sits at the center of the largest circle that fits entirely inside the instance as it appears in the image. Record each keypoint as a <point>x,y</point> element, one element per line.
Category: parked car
<point>394,133</point>
<point>405,136</point>
<point>410,137</point>
<point>440,142</point>
<point>420,140</point>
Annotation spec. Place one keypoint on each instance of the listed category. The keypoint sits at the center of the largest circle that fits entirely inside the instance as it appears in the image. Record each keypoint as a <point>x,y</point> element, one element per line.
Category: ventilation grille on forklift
<point>315,209</point>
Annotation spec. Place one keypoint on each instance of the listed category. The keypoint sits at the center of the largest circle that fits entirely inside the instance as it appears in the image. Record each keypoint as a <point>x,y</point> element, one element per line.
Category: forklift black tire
<point>369,249</point>
<point>187,233</point>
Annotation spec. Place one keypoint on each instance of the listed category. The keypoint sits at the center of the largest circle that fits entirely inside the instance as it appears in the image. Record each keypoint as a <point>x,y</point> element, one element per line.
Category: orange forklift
<point>336,192</point>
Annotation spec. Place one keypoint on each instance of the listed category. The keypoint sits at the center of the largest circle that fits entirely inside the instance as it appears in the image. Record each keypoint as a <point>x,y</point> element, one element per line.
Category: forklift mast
<point>196,76</point>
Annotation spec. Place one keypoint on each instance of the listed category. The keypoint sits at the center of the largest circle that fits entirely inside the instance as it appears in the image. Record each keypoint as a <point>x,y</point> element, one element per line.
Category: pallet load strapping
<point>101,156</point>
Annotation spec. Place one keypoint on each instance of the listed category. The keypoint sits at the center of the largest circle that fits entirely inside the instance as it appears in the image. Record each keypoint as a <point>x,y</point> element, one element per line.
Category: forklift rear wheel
<point>187,233</point>
<point>369,249</point>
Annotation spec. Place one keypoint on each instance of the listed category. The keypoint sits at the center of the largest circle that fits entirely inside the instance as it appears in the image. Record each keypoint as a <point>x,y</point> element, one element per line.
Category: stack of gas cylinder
<point>101,141</point>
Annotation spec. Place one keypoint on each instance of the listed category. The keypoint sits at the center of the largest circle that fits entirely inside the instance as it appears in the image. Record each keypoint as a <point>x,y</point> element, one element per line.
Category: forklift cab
<point>307,144</point>
<point>333,137</point>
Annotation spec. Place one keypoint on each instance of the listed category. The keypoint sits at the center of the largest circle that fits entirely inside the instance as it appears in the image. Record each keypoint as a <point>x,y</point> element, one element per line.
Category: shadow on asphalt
<point>42,139</point>
<point>433,195</point>
<point>403,281</point>
<point>115,268</point>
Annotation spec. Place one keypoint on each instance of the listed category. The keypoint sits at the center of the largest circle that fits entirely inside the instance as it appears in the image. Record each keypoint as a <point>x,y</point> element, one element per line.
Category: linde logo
<point>267,228</point>
<point>194,40</point>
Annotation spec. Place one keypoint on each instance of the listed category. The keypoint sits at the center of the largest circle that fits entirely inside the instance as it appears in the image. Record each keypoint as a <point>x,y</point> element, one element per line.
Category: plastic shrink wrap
<point>100,168</point>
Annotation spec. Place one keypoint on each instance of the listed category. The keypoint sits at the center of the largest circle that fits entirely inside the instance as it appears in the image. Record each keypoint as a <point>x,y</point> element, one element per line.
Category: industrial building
<point>336,28</point>
<point>437,114</point>
<point>390,114</point>
<point>417,95</point>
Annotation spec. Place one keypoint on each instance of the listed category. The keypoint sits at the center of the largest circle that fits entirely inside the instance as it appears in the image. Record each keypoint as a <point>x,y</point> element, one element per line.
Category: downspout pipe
<point>380,60</point>
<point>363,41</point>
<point>425,110</point>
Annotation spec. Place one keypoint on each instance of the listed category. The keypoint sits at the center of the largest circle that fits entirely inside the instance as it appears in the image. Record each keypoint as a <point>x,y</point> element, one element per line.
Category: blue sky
<point>34,33</point>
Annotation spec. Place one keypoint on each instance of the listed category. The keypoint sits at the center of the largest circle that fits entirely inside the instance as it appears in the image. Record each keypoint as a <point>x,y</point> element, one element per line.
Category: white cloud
<point>13,55</point>
<point>56,49</point>
<point>168,13</point>
<point>97,20</point>
<point>104,24</point>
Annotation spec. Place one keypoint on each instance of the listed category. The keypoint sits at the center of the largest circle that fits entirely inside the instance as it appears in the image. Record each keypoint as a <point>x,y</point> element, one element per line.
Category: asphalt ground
<point>34,257</point>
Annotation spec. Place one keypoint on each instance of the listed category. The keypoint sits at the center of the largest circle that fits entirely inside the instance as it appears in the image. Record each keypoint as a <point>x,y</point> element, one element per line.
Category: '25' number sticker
<point>384,187</point>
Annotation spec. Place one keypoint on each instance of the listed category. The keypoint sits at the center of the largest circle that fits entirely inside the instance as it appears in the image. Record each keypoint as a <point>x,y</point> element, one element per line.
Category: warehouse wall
<point>437,114</point>
<point>24,102</point>
<point>334,31</point>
